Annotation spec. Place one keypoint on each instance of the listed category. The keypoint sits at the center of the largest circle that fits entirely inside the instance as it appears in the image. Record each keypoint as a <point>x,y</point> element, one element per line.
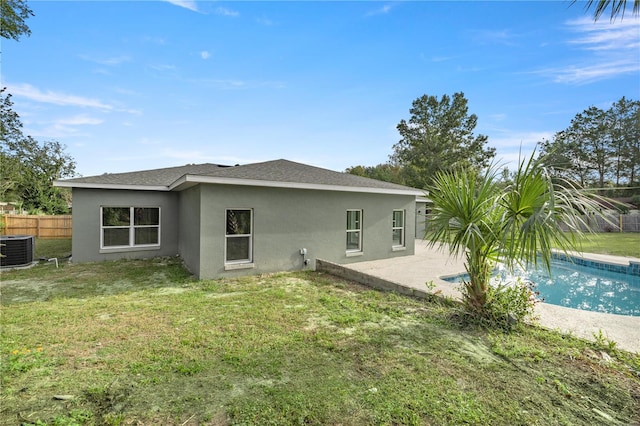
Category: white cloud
<point>265,21</point>
<point>512,146</point>
<point>66,127</point>
<point>57,98</point>
<point>155,40</point>
<point>56,131</point>
<point>507,140</point>
<point>110,61</point>
<point>607,46</point>
<point>588,73</point>
<point>226,12</point>
<point>127,92</point>
<point>163,67</point>
<point>498,117</point>
<point>187,4</point>
<point>503,37</point>
<point>441,58</point>
<point>238,84</point>
<point>604,35</point>
<point>63,99</point>
<point>382,10</point>
<point>205,55</point>
<point>77,120</point>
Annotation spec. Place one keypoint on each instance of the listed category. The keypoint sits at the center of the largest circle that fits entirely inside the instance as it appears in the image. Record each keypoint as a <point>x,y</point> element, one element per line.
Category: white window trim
<point>235,266</point>
<point>241,263</point>
<point>358,251</point>
<point>354,253</point>
<point>403,243</point>
<point>132,246</point>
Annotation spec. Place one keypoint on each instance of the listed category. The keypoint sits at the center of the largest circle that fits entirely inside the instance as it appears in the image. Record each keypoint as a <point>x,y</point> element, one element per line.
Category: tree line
<point>28,167</point>
<point>599,149</point>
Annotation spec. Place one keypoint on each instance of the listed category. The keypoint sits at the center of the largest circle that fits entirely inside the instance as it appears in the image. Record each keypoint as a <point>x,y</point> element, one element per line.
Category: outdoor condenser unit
<point>17,250</point>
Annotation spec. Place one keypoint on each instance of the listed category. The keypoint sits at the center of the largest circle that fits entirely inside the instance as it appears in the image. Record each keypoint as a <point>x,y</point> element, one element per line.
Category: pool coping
<point>622,265</point>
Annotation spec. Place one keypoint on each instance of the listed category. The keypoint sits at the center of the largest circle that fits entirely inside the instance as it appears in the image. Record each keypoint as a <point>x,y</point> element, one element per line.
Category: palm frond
<point>618,7</point>
<point>463,205</point>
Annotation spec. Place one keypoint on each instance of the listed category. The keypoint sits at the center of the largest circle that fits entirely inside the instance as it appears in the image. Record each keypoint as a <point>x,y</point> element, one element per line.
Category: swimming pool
<point>581,286</point>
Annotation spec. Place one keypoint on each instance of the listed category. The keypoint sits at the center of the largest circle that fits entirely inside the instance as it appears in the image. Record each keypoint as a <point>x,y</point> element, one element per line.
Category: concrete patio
<point>428,264</point>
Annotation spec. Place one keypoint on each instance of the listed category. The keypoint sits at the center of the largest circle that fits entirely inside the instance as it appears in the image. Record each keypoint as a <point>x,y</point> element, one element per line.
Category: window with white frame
<point>129,227</point>
<point>354,230</point>
<point>397,228</point>
<point>239,236</point>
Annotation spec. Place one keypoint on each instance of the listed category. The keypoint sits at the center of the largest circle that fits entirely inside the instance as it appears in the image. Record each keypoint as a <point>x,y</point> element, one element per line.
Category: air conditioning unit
<point>16,250</point>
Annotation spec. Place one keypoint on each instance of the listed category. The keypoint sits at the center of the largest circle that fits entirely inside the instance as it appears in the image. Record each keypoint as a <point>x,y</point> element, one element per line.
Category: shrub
<point>508,305</point>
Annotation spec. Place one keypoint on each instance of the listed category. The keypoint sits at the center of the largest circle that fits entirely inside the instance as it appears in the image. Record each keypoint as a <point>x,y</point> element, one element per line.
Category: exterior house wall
<point>189,214</point>
<point>86,223</point>
<point>286,220</point>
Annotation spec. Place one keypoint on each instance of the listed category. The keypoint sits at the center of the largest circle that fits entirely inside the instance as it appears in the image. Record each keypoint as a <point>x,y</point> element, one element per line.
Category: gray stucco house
<point>228,221</point>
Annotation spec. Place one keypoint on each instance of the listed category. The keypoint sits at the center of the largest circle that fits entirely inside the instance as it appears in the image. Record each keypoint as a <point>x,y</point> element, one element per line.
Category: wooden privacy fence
<point>38,226</point>
<point>617,223</point>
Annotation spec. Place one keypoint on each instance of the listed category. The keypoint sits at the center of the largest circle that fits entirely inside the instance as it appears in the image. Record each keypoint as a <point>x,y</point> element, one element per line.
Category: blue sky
<point>140,85</point>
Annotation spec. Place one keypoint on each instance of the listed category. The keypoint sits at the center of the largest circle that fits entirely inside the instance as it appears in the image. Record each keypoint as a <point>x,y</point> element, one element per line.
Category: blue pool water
<point>581,287</point>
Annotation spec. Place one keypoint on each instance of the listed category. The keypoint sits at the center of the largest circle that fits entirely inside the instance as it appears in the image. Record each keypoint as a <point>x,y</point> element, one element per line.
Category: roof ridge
<point>276,173</point>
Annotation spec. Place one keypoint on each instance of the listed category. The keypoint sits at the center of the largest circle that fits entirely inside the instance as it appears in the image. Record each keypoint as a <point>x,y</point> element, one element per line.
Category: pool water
<point>581,287</point>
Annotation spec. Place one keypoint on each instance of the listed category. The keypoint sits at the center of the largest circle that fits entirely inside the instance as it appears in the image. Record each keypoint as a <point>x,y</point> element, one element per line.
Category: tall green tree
<point>624,125</point>
<point>477,217</point>
<point>30,167</point>
<point>439,135</point>
<point>13,14</point>
<point>590,128</point>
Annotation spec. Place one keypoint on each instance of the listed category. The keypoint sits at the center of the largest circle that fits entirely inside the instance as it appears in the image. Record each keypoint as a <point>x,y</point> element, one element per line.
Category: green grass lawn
<point>140,342</point>
<point>618,244</point>
<point>49,248</point>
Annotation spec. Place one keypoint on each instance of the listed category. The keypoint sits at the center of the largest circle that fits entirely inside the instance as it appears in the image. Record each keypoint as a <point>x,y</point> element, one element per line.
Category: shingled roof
<point>277,173</point>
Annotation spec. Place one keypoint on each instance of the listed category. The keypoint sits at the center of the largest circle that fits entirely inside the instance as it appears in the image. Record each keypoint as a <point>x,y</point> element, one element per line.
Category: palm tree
<point>477,216</point>
<point>618,7</point>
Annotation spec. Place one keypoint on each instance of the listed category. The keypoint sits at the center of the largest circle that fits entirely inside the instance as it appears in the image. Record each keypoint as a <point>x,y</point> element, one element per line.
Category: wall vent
<point>17,250</point>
